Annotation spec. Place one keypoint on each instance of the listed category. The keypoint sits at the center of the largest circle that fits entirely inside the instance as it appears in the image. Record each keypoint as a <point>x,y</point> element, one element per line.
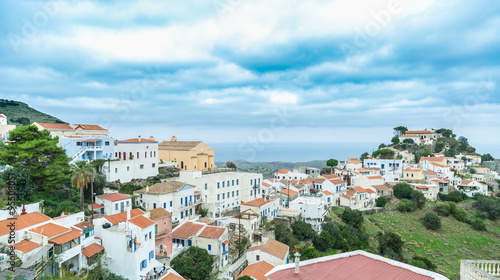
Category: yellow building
<point>413,174</point>
<point>190,155</point>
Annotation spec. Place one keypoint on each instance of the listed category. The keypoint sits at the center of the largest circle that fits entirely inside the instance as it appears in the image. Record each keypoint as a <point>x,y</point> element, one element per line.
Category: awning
<point>92,249</point>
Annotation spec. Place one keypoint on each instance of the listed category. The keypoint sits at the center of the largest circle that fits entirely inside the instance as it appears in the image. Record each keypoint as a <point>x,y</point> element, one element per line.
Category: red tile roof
<point>330,176</point>
<point>92,249</point>
<point>212,232</point>
<point>164,188</point>
<point>96,206</point>
<point>158,213</point>
<point>360,189</point>
<point>172,276</point>
<point>141,221</point>
<point>370,191</point>
<point>256,202</point>
<point>257,270</point>
<point>348,197</point>
<point>430,172</point>
<point>187,229</point>
<point>50,230</point>
<point>26,246</point>
<point>67,237</point>
<point>122,217</point>
<point>375,177</point>
<point>466,182</point>
<point>88,126</point>
<point>419,132</point>
<point>23,221</point>
<point>327,192</point>
<point>352,265</point>
<point>61,126</point>
<point>84,225</point>
<point>289,192</point>
<point>225,242</point>
<point>137,140</point>
<point>422,187</point>
<point>351,192</point>
<point>274,248</point>
<point>337,182</point>
<point>352,161</point>
<point>283,171</point>
<point>114,196</point>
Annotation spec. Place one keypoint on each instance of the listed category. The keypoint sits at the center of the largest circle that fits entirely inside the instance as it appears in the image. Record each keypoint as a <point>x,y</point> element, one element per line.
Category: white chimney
<point>147,188</point>
<point>128,215</point>
<point>127,226</point>
<point>139,138</point>
<point>297,261</point>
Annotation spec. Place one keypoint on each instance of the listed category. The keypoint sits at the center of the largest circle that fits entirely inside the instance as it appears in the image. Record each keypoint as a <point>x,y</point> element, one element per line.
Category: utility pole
<point>288,195</point>
<point>239,233</point>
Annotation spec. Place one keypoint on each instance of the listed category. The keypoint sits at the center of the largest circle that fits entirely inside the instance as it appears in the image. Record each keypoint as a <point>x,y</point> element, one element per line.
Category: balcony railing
<point>478,269</point>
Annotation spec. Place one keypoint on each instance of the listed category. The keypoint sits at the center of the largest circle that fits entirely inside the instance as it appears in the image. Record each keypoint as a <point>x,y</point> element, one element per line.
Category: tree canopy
<point>400,130</point>
<point>332,162</point>
<point>230,164</point>
<point>81,173</point>
<point>383,154</point>
<point>21,179</point>
<point>302,230</point>
<point>36,151</point>
<point>195,263</point>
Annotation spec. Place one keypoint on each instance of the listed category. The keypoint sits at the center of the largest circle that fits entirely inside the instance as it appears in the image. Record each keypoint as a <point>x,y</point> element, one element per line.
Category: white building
<point>359,198</point>
<point>114,203</point>
<point>310,171</point>
<point>285,174</point>
<point>224,191</point>
<point>415,138</point>
<point>470,188</point>
<point>135,158</point>
<point>271,251</point>
<point>176,197</point>
<point>263,207</point>
<point>312,208</point>
<point>128,239</point>
<point>390,169</point>
<point>353,164</point>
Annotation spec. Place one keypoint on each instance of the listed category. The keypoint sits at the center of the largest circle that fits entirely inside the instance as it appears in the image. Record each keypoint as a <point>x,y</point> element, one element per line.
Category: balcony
<point>478,269</point>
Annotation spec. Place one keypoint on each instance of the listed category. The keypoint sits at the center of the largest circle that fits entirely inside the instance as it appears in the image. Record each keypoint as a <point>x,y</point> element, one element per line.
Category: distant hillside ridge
<point>20,113</point>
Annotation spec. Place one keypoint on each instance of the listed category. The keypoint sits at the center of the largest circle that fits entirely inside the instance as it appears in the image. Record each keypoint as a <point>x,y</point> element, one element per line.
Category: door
<point>122,207</point>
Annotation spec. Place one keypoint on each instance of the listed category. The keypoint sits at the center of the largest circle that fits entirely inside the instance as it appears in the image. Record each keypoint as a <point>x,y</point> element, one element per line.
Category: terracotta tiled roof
<point>164,188</point>
<point>115,196</point>
<point>289,192</point>
<point>88,126</point>
<point>412,170</point>
<point>67,237</point>
<point>360,189</point>
<point>158,213</point>
<point>2,116</point>
<point>264,184</point>
<point>207,221</point>
<point>352,161</point>
<point>212,232</point>
<point>141,221</point>
<point>26,246</point>
<point>187,229</point>
<point>337,181</point>
<point>172,276</point>
<point>408,136</point>
<point>370,191</point>
<point>466,182</point>
<point>274,248</point>
<point>306,181</point>
<point>92,249</point>
<point>178,145</point>
<point>352,265</point>
<point>122,217</point>
<point>84,225</point>
<point>319,180</point>
<point>419,132</point>
<point>330,176</point>
<point>350,192</point>
<point>283,171</point>
<point>137,140</point>
<point>422,187</point>
<point>96,206</point>
<point>50,230</point>
<point>257,270</point>
<point>348,197</point>
<point>58,126</point>
<point>432,158</point>
<point>327,192</point>
<point>225,242</point>
<point>375,177</point>
<point>23,221</point>
<point>256,202</point>
<point>381,187</point>
<point>430,172</point>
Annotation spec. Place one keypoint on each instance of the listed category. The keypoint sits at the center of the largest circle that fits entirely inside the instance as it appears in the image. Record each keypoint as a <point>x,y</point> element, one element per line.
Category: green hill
<point>268,168</point>
<point>20,113</point>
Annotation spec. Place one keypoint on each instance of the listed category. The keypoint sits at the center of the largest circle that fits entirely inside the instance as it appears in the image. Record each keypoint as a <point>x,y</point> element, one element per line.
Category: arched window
<point>182,165</point>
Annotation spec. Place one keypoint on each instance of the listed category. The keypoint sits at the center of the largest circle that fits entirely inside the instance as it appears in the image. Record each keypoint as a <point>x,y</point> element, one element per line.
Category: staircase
<point>78,155</point>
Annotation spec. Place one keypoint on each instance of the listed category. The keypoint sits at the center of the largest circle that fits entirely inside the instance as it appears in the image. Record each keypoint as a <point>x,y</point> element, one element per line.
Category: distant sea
<point>290,152</point>
<point>300,152</point>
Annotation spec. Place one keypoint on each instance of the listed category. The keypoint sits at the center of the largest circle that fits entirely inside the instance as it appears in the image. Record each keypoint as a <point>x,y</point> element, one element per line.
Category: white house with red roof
<point>114,203</point>
<point>470,188</point>
<point>351,265</point>
<point>359,198</point>
<point>473,160</point>
<point>455,163</point>
<point>425,136</point>
<point>390,169</point>
<point>270,250</point>
<point>128,239</point>
<point>285,174</point>
<point>353,164</point>
<point>135,158</point>
<point>263,207</point>
<point>430,191</point>
<point>5,128</point>
<point>413,137</point>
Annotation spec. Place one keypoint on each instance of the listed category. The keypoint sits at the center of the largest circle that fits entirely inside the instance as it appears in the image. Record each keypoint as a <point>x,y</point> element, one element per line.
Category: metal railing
<point>479,269</point>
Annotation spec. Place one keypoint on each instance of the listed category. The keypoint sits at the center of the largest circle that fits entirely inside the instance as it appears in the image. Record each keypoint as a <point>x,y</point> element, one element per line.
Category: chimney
<point>139,138</point>
<point>128,215</point>
<point>147,188</point>
<point>127,226</point>
<point>297,261</point>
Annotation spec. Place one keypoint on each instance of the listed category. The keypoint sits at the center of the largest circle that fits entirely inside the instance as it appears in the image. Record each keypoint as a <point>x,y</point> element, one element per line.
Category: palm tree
<point>81,173</point>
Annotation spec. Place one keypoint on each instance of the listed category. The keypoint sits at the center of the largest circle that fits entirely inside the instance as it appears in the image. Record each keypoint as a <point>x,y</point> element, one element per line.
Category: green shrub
<point>381,201</point>
<point>481,215</point>
<point>352,217</point>
<point>430,265</point>
<point>454,196</point>
<point>407,206</point>
<point>443,209</point>
<point>461,215</point>
<point>489,205</point>
<point>418,263</point>
<point>431,221</point>
<point>402,190</point>
<point>479,225</point>
<point>308,253</point>
<point>302,230</point>
<point>453,208</point>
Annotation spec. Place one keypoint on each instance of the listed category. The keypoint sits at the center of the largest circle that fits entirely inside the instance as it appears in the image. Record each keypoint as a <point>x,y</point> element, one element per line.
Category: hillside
<point>267,168</point>
<point>20,113</point>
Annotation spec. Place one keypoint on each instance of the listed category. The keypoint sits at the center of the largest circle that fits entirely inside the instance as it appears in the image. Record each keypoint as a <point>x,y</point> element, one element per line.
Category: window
<point>223,184</point>
<point>164,205</point>
<point>154,154</point>
<point>228,184</point>
<point>106,143</point>
<point>151,255</point>
<point>233,193</point>
<point>206,186</point>
<point>150,234</point>
<point>237,192</point>
<point>232,183</point>
<point>128,203</point>
<point>116,170</point>
<point>146,154</point>
<point>153,165</point>
<point>251,193</point>
<point>128,168</point>
<point>218,185</point>
<point>141,166</point>
<point>137,155</point>
<point>205,198</point>
<point>259,179</point>
<point>237,181</point>
<point>170,203</point>
<point>218,197</point>
<point>257,258</point>
<point>223,196</point>
<point>154,205</point>
<point>116,206</point>
<point>181,200</point>
<point>209,247</point>
<point>79,143</point>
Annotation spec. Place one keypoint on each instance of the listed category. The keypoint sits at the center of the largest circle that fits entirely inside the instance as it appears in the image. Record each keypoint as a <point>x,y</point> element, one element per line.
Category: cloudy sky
<point>281,70</point>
